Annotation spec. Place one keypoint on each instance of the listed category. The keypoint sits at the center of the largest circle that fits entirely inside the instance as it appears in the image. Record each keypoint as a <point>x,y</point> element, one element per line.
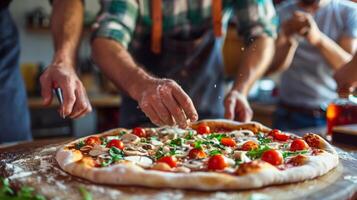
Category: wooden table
<point>33,164</point>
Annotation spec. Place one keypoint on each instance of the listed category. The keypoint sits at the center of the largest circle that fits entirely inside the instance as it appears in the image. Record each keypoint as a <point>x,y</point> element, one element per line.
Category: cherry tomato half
<point>203,129</point>
<point>273,157</point>
<point>298,145</point>
<point>278,135</point>
<point>170,160</point>
<point>217,162</point>
<point>140,132</point>
<point>197,154</point>
<point>229,142</point>
<point>250,145</point>
<point>93,140</point>
<point>116,143</point>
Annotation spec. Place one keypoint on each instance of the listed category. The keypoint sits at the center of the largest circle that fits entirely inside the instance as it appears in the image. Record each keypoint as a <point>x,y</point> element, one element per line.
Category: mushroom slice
<point>98,150</point>
<point>194,164</point>
<point>86,148</point>
<point>142,161</point>
<point>130,138</point>
<point>95,152</point>
<point>129,151</point>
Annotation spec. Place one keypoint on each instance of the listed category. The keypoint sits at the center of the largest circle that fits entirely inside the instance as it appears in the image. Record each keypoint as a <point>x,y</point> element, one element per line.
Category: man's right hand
<point>63,75</point>
<point>165,103</point>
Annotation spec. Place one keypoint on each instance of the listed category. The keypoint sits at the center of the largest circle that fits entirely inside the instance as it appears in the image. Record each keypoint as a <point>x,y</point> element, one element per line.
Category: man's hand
<point>237,107</point>
<point>63,75</point>
<point>165,103</point>
<point>310,31</point>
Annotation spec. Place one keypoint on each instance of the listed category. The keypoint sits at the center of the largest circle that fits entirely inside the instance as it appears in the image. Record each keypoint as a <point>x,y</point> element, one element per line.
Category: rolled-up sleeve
<point>117,20</point>
<point>256,18</point>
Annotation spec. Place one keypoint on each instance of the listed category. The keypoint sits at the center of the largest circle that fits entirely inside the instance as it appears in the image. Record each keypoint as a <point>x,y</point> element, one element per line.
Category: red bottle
<point>341,112</point>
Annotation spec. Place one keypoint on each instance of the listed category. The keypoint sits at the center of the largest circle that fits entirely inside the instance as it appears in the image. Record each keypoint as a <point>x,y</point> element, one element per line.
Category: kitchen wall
<point>36,46</point>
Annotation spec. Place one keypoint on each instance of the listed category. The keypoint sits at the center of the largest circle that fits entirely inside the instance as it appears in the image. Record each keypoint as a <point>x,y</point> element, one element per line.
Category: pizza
<point>210,155</point>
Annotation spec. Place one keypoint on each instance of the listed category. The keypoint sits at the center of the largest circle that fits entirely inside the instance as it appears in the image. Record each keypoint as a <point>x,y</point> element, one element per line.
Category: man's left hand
<point>310,31</point>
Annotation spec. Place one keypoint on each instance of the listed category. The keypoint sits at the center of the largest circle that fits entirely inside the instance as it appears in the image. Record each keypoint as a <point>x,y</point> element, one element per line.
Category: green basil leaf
<point>215,152</point>
<point>79,145</point>
<point>262,139</point>
<point>257,153</point>
<point>189,135</point>
<point>85,194</point>
<point>177,142</point>
<point>218,136</point>
<point>198,144</point>
<point>293,153</point>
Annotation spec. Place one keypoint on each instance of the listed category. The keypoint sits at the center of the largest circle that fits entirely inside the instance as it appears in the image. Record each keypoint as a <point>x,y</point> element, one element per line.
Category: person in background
<point>316,38</point>
<point>346,78</point>
<point>14,112</point>
<point>190,57</point>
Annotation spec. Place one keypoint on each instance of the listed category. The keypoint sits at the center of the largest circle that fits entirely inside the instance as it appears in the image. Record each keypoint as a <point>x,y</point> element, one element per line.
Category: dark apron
<point>195,64</point>
<point>14,114</point>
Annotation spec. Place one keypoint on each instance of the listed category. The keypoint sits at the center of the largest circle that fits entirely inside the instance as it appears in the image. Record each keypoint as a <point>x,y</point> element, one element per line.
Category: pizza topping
<point>273,157</point>
<point>203,129</point>
<point>278,135</point>
<point>142,161</point>
<point>298,160</point>
<point>217,162</point>
<point>86,148</point>
<point>197,154</point>
<point>79,145</point>
<point>98,150</point>
<point>257,153</point>
<point>194,164</point>
<point>229,142</point>
<point>312,140</point>
<point>155,141</point>
<point>316,152</point>
<point>130,138</point>
<point>170,160</point>
<point>263,139</point>
<point>298,145</point>
<point>250,145</point>
<point>140,132</point>
<point>293,153</point>
<point>134,151</point>
<point>240,157</point>
<point>115,143</point>
<point>91,141</point>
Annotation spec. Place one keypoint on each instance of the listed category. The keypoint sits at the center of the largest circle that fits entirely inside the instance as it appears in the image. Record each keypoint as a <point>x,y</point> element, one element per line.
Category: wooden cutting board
<point>37,167</point>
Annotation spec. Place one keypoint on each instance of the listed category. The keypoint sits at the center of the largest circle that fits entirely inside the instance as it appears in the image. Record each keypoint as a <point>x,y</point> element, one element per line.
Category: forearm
<point>256,60</point>
<point>66,28</point>
<point>284,53</point>
<point>117,64</point>
<point>333,53</point>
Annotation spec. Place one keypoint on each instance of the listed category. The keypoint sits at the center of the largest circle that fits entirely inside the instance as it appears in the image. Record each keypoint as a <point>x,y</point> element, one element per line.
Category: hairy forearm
<point>334,54</point>
<point>256,60</point>
<point>117,64</point>
<point>284,53</point>
<point>66,27</point>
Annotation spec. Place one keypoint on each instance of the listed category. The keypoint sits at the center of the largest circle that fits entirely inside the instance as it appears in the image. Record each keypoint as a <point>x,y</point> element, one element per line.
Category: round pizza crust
<point>133,175</point>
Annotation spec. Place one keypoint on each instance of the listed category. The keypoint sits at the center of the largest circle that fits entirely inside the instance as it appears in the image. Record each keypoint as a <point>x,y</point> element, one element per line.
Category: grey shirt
<point>309,82</point>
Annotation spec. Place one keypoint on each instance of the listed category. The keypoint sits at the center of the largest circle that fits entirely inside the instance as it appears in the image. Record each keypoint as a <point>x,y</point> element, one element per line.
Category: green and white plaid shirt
<point>129,21</point>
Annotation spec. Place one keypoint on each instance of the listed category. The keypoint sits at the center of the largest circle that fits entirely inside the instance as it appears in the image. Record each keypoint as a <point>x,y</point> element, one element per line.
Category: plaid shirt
<point>129,21</point>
